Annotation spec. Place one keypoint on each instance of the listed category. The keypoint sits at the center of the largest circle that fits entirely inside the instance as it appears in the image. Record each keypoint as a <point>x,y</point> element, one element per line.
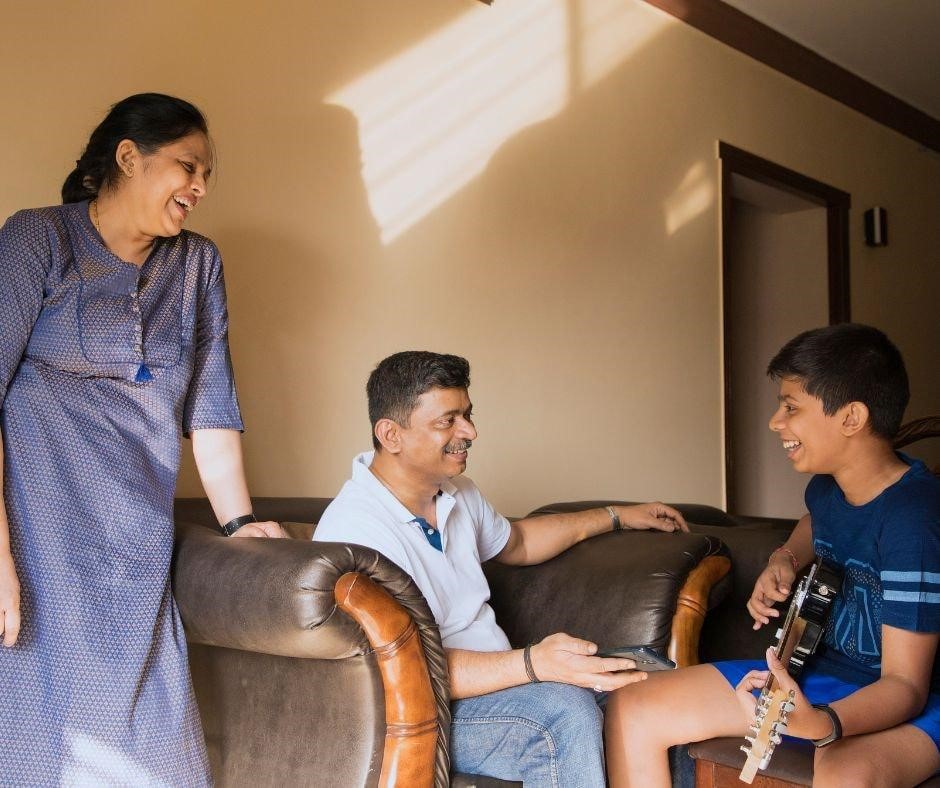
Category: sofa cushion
<point>301,531</point>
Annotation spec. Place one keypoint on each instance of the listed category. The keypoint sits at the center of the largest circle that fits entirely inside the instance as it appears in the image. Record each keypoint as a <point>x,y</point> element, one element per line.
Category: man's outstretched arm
<point>558,657</point>
<point>536,539</point>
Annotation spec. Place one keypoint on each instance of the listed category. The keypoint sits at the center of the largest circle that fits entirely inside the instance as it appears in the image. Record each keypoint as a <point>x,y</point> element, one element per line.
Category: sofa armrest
<point>615,589</point>
<point>727,632</point>
<point>325,601</point>
<point>275,596</point>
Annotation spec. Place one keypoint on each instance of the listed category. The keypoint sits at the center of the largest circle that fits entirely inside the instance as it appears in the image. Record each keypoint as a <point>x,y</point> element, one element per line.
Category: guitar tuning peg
<point>782,728</point>
<point>746,748</point>
<point>776,738</point>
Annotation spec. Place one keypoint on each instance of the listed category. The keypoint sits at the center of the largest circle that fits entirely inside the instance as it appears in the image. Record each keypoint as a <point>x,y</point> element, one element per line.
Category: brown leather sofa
<point>320,665</point>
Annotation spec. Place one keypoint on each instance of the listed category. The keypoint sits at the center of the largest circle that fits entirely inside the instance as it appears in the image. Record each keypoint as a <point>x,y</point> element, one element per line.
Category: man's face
<point>811,439</point>
<point>436,442</point>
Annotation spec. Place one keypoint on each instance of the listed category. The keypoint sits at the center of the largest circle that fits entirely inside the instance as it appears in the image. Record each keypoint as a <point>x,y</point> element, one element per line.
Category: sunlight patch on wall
<point>693,196</point>
<point>432,117</point>
<point>610,31</point>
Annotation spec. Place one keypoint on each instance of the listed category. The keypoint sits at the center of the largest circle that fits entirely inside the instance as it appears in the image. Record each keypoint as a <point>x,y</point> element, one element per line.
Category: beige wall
<point>770,250</point>
<point>533,185</point>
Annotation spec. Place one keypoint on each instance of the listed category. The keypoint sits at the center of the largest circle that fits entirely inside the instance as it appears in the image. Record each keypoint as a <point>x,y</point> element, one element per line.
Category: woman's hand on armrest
<point>267,529</point>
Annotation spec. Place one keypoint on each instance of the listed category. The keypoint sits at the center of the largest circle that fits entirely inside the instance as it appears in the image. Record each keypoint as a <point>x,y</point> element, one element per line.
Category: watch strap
<point>233,525</point>
<point>836,733</point>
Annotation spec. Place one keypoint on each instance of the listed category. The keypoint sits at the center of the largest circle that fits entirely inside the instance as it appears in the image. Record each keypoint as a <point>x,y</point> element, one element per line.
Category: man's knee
<point>573,712</point>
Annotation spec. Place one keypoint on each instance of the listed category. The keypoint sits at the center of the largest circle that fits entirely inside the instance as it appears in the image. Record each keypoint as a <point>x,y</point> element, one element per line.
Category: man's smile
<point>459,448</point>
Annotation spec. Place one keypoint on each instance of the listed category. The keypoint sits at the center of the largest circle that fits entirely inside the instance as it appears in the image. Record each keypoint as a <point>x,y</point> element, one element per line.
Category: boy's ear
<point>388,433</point>
<point>854,418</point>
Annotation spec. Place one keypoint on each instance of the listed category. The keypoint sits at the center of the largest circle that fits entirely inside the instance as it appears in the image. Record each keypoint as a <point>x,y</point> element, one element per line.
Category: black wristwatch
<point>836,726</point>
<point>233,525</point>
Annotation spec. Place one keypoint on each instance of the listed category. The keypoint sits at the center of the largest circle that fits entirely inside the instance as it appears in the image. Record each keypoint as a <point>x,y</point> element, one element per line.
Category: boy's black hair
<point>846,363</point>
<point>399,380</point>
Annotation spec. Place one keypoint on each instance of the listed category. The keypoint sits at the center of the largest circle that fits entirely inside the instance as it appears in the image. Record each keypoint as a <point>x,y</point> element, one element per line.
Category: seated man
<point>526,714</point>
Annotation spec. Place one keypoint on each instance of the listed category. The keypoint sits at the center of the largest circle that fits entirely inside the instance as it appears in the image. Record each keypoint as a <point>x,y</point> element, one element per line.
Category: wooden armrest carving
<point>410,710</point>
<point>692,607</point>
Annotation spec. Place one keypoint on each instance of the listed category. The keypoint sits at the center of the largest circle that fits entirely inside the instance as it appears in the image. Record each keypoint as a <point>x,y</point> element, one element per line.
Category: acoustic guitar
<point>797,638</point>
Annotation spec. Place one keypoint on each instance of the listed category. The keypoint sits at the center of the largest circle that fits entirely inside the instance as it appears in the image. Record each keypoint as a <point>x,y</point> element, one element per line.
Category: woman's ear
<point>127,155</point>
<point>854,418</point>
<point>388,433</point>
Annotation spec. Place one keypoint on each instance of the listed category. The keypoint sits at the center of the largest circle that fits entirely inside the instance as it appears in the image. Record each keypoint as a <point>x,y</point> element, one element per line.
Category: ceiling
<point>895,45</point>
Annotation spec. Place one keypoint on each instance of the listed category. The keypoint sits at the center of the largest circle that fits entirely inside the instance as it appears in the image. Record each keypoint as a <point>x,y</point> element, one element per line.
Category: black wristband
<point>233,525</point>
<point>527,659</point>
<point>836,726</point>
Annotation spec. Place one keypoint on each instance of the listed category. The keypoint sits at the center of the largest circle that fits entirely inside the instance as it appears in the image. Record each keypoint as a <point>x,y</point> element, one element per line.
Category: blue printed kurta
<point>103,366</point>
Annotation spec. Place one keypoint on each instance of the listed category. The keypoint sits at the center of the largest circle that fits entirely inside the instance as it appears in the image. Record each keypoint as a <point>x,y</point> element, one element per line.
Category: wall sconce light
<point>876,226</point>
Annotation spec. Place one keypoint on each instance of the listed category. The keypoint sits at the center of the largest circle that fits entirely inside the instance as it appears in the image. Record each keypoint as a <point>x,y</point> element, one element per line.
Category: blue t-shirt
<point>889,551</point>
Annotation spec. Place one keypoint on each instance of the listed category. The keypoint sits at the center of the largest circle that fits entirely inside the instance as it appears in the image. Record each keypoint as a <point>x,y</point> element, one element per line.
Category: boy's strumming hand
<point>570,660</point>
<point>773,585</point>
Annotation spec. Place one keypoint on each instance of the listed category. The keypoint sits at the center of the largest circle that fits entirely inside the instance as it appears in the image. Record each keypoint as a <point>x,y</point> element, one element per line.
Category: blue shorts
<point>820,687</point>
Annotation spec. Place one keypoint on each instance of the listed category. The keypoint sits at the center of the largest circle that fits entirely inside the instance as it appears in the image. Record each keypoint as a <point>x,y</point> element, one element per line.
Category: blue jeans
<point>544,734</point>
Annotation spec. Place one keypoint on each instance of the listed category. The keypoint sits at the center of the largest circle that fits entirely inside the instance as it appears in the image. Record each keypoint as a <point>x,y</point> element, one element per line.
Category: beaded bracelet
<point>614,518</point>
<point>789,552</point>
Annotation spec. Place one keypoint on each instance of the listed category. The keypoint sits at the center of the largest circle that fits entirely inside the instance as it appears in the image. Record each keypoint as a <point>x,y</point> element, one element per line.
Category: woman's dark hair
<point>398,381</point>
<point>150,120</point>
<point>848,362</point>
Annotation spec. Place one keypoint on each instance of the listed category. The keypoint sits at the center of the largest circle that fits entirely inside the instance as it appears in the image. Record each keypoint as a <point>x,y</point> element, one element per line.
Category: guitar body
<point>797,639</point>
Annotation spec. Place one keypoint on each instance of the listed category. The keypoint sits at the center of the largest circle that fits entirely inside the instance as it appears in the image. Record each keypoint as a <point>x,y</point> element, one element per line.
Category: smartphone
<point>646,659</point>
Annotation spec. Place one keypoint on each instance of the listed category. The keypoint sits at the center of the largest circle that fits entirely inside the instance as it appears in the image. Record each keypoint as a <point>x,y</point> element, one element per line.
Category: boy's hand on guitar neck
<point>774,585</point>
<point>804,721</point>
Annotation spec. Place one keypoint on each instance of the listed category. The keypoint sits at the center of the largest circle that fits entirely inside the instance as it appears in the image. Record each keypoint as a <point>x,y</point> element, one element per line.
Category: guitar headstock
<point>770,723</point>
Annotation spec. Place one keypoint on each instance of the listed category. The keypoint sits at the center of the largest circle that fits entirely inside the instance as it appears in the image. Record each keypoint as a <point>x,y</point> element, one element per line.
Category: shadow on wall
<point>295,292</point>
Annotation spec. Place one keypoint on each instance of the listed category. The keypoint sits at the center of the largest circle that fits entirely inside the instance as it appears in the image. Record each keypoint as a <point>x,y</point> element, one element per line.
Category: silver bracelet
<point>614,518</point>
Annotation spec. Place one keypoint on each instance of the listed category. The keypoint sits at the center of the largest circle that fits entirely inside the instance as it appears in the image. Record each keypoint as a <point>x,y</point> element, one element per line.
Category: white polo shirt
<point>452,581</point>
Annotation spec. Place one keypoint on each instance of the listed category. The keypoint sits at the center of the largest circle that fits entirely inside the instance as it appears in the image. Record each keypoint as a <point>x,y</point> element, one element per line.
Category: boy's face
<point>811,439</point>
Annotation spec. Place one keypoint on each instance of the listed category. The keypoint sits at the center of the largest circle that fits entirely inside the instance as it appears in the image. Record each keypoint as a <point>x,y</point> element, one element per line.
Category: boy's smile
<point>810,437</point>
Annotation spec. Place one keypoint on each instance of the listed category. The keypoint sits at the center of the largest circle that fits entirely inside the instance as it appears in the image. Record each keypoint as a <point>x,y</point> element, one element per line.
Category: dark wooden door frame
<point>735,161</point>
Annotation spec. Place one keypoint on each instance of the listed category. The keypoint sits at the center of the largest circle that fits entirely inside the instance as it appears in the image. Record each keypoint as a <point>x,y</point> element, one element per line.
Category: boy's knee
<point>832,769</point>
<point>636,715</point>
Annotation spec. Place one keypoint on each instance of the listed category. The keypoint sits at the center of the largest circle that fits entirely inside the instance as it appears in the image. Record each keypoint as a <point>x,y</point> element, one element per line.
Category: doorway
<point>785,269</point>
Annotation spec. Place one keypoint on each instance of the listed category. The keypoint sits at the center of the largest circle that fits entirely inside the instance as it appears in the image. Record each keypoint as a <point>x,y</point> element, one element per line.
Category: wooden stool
<point>718,763</point>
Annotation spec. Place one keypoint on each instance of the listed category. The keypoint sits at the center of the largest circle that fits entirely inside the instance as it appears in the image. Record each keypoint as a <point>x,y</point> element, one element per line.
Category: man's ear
<point>388,433</point>
<point>854,418</point>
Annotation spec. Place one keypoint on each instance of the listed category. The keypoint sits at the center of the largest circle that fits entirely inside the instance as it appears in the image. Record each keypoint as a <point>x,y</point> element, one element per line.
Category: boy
<point>869,699</point>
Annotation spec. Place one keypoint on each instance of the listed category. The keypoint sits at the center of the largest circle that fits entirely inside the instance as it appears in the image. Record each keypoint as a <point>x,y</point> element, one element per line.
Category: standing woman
<point>114,344</point>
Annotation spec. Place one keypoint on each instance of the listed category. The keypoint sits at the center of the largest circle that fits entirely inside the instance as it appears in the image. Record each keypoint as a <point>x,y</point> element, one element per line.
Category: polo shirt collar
<point>361,475</point>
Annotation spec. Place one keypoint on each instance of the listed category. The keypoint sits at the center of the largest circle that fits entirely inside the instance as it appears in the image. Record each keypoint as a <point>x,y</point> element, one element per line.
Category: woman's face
<point>165,186</point>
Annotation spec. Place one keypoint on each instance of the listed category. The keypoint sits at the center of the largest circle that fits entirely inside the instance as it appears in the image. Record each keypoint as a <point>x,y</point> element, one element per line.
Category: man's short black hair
<point>846,363</point>
<point>399,380</point>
